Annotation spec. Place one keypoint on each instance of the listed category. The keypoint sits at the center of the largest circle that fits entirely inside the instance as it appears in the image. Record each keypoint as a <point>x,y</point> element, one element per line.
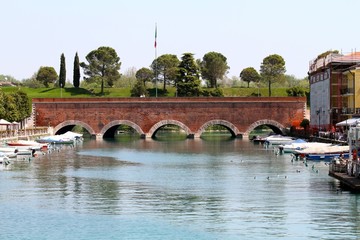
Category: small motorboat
<point>325,153</point>
<point>9,151</point>
<point>278,139</point>
<point>299,144</point>
<point>28,144</point>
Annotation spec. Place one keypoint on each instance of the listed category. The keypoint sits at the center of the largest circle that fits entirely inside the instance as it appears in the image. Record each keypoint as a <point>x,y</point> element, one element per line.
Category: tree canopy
<point>14,106</point>
<point>144,75</point>
<point>249,74</point>
<point>213,67</point>
<point>46,75</point>
<point>139,89</point>
<point>272,67</point>
<point>188,78</point>
<point>165,68</point>
<point>103,63</point>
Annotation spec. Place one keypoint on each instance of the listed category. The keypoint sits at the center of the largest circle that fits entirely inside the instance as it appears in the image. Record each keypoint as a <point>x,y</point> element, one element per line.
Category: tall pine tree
<point>188,78</point>
<point>76,76</point>
<point>62,75</point>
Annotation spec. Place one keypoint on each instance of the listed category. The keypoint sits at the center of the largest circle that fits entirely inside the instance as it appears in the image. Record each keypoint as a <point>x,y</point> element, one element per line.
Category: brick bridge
<point>101,116</point>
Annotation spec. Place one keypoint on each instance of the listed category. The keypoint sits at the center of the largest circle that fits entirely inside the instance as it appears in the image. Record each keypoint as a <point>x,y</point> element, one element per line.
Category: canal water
<point>189,189</point>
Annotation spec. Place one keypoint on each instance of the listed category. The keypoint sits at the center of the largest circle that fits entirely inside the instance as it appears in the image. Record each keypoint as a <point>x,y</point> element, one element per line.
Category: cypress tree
<point>76,76</point>
<point>62,75</point>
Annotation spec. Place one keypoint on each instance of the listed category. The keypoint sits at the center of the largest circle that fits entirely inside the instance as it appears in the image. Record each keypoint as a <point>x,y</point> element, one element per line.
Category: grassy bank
<point>125,92</point>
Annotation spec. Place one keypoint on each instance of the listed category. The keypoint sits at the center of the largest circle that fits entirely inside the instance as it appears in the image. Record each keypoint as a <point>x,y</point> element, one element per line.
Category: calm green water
<point>188,189</point>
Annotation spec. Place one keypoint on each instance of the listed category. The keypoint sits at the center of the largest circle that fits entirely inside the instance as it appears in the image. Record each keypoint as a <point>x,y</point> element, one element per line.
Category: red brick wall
<point>145,112</point>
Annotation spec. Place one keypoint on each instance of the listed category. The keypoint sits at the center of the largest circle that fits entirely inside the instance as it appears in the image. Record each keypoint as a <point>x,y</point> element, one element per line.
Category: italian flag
<point>155,35</point>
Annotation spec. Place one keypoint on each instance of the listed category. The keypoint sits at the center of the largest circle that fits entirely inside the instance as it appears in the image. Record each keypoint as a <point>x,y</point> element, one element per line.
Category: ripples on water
<point>190,189</point>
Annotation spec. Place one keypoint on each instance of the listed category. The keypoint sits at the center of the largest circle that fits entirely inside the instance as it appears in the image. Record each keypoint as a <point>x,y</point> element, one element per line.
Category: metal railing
<point>351,168</point>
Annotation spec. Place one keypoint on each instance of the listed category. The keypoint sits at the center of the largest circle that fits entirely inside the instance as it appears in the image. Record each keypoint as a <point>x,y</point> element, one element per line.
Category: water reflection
<point>231,188</point>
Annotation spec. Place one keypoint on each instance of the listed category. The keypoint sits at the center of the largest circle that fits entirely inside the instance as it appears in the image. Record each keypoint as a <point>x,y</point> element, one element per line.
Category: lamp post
<point>61,90</point>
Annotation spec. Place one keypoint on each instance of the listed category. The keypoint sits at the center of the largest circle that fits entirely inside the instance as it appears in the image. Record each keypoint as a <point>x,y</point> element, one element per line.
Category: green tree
<point>188,79</point>
<point>249,74</point>
<point>62,74</point>
<point>46,75</point>
<point>295,92</point>
<point>12,112</point>
<point>2,104</point>
<point>23,104</point>
<point>76,75</point>
<point>139,89</point>
<point>272,68</point>
<point>213,67</point>
<point>144,75</point>
<point>165,68</point>
<point>14,106</point>
<point>104,63</point>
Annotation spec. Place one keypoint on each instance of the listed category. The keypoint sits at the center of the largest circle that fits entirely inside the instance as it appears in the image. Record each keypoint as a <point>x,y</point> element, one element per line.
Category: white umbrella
<point>349,122</point>
<point>4,122</point>
<point>15,125</point>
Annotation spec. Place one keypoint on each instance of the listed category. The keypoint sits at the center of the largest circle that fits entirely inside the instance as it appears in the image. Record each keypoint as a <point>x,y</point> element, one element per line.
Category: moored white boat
<point>323,152</point>
<point>28,144</point>
<point>66,138</point>
<point>278,139</point>
<point>300,144</point>
<point>55,139</point>
<point>9,151</point>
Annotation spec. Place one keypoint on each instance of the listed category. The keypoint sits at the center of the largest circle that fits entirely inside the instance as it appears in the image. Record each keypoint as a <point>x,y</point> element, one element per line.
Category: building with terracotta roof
<point>334,88</point>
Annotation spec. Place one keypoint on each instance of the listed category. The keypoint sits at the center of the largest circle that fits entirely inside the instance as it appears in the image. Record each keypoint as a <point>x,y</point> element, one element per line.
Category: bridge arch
<point>274,125</point>
<point>73,123</point>
<point>231,127</point>
<point>158,125</point>
<point>122,122</point>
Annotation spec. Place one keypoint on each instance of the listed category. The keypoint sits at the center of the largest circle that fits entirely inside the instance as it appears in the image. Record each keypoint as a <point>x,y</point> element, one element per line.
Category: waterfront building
<point>334,88</point>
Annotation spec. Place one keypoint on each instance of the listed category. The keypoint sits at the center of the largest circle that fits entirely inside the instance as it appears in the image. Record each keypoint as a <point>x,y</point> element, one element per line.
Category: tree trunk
<point>102,86</point>
<point>269,88</point>
<point>164,88</point>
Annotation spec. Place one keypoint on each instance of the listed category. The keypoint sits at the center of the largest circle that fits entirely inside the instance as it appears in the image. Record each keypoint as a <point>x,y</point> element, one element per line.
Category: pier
<point>348,172</point>
<point>348,176</point>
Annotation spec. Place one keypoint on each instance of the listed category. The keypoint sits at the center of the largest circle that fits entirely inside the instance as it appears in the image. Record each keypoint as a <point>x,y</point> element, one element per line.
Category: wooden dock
<point>350,182</point>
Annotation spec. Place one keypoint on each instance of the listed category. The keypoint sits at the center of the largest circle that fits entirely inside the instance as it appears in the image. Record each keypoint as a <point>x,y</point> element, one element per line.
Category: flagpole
<point>155,45</point>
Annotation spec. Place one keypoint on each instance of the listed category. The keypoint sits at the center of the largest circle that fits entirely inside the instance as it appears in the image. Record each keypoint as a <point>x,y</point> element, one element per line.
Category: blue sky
<point>35,33</point>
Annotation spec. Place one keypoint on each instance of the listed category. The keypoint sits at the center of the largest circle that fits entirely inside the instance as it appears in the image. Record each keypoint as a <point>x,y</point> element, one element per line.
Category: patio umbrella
<point>4,122</point>
<point>15,125</point>
<point>349,122</point>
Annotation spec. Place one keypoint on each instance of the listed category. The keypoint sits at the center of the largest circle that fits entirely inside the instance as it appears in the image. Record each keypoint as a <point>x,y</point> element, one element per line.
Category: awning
<point>349,122</point>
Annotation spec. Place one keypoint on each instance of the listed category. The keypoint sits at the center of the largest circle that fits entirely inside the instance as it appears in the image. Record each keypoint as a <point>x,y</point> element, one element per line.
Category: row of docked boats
<point>27,148</point>
<point>301,149</point>
<point>316,150</point>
